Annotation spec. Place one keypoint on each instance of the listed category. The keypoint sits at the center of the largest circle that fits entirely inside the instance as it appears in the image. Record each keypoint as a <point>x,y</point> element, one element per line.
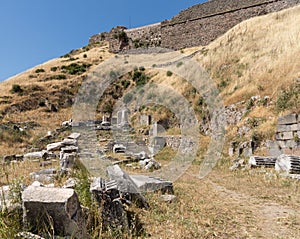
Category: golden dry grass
<point>257,57</point>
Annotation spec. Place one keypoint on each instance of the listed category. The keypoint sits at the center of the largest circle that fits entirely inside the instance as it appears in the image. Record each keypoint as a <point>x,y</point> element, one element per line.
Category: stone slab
<point>74,136</point>
<point>69,142</point>
<point>285,135</point>
<point>55,146</point>
<point>151,184</point>
<point>288,119</point>
<point>36,155</point>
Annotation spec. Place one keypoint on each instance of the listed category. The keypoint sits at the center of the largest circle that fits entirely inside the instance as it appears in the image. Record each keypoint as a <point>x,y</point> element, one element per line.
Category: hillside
<point>258,58</point>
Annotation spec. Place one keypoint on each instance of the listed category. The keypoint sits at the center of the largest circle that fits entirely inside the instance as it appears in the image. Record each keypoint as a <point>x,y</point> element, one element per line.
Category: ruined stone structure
<point>195,26</point>
<point>288,134</point>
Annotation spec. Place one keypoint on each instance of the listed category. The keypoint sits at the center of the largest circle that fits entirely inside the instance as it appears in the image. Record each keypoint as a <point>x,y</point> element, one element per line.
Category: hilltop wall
<point>181,32</point>
<point>197,25</point>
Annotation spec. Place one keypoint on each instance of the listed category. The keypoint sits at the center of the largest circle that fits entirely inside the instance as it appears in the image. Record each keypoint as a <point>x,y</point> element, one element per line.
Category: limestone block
<point>151,184</point>
<point>291,143</point>
<point>288,119</point>
<point>70,149</point>
<point>284,135</point>
<point>283,128</point>
<point>74,136</point>
<point>57,207</point>
<point>36,155</point>
<point>70,142</point>
<point>55,146</point>
<point>295,127</point>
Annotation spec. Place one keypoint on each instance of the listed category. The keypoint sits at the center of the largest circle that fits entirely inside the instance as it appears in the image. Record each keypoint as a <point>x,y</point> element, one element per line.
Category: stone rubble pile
<point>59,208</point>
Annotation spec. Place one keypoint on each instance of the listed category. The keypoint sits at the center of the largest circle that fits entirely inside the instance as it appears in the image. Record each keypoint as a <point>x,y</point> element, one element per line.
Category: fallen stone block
<point>57,208</point>
<point>69,142</point>
<point>126,185</point>
<point>55,146</point>
<point>114,214</point>
<point>36,155</point>
<point>152,165</point>
<point>44,176</point>
<point>74,136</point>
<point>151,184</point>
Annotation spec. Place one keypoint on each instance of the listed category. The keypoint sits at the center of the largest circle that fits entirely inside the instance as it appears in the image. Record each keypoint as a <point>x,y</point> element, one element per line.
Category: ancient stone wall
<point>179,33</point>
<point>197,25</point>
<point>288,133</point>
<point>150,32</point>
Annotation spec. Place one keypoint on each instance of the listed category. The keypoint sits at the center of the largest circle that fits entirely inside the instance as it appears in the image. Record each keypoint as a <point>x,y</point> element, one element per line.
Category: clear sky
<point>34,31</point>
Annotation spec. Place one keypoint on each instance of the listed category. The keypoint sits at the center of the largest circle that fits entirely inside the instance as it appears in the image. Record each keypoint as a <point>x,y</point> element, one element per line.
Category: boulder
<point>44,176</point>
<point>57,208</point>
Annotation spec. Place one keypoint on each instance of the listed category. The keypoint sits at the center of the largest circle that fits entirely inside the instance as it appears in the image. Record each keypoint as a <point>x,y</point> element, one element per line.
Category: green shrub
<point>125,83</point>
<point>16,89</point>
<point>179,64</point>
<point>127,98</point>
<point>169,73</point>
<point>75,69</point>
<point>42,103</point>
<point>142,68</point>
<point>56,77</point>
<point>140,78</point>
<point>54,68</point>
<point>40,70</point>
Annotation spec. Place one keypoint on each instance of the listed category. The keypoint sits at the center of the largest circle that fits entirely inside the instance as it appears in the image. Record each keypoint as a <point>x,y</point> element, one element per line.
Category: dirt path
<point>274,220</point>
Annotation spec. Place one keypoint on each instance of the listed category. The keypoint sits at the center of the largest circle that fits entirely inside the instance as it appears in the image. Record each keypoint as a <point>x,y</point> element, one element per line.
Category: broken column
<point>288,163</point>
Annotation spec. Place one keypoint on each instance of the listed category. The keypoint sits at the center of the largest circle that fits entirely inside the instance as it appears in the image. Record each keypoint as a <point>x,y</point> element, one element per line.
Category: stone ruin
<point>284,151</point>
<point>58,208</point>
<point>196,26</point>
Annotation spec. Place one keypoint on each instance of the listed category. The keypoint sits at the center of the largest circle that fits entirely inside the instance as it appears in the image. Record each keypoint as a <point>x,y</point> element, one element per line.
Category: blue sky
<point>34,31</point>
